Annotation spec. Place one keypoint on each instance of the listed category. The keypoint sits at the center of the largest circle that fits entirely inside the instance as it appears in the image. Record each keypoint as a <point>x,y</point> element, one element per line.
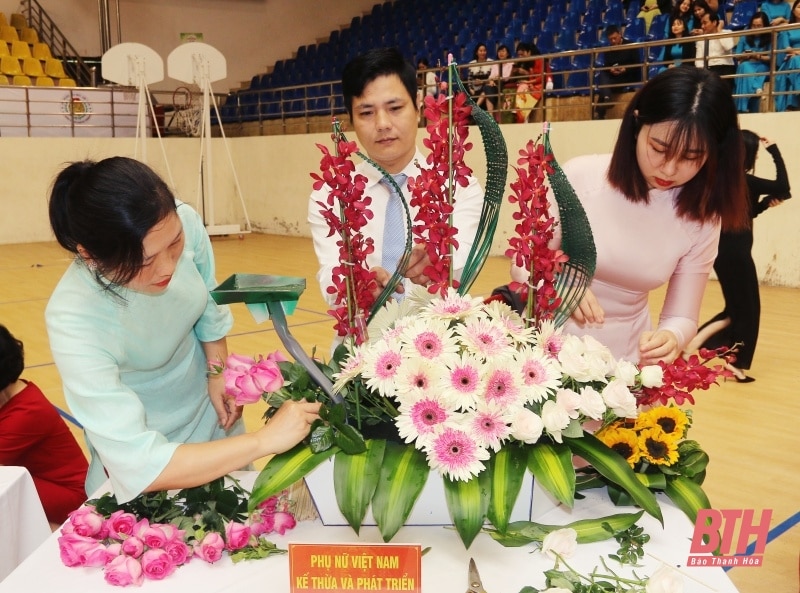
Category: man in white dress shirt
<point>718,58</point>
<point>380,95</point>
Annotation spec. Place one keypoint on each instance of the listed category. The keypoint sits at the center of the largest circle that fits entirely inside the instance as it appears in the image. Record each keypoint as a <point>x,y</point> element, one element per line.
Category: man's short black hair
<point>363,69</point>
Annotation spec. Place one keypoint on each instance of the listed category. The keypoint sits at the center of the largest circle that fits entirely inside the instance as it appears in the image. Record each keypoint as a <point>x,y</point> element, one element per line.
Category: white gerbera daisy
<point>452,307</point>
<point>541,374</point>
<point>490,425</point>
<point>485,338</point>
<point>428,338</point>
<point>502,384</point>
<point>456,455</point>
<point>418,378</point>
<point>421,420</point>
<point>382,361</point>
<point>462,382</point>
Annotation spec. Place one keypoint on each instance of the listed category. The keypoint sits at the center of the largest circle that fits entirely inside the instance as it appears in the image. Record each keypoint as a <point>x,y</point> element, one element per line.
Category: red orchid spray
<point>530,248</point>
<point>346,210</point>
<point>432,191</point>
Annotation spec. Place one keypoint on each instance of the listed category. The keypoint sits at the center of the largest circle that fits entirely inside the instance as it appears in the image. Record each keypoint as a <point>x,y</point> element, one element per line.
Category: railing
<point>303,104</point>
<point>50,34</point>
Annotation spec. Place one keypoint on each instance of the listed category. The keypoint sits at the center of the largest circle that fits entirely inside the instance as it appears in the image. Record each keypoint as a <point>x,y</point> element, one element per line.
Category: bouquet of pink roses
<point>152,535</point>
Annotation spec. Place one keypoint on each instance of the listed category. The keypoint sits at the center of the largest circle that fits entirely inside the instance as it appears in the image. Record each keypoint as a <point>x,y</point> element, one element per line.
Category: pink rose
<point>210,549</point>
<point>277,356</point>
<point>123,571</point>
<point>237,535</point>
<point>179,551</point>
<point>133,546</point>
<point>269,375</point>
<point>270,505</point>
<point>171,533</point>
<point>86,521</point>
<point>157,564</point>
<point>283,521</point>
<point>75,548</point>
<point>238,364</point>
<point>120,523</point>
<point>246,379</point>
<point>153,537</point>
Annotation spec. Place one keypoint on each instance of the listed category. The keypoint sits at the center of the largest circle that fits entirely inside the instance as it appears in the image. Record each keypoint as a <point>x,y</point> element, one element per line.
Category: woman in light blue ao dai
<point>753,53</point>
<point>787,79</point>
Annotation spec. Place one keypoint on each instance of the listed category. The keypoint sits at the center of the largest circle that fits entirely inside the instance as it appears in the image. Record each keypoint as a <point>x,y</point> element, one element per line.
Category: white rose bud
<point>619,399</point>
<point>652,376</point>
<point>665,580</point>
<point>526,426</point>
<point>560,543</point>
<point>626,371</point>
<point>555,419</point>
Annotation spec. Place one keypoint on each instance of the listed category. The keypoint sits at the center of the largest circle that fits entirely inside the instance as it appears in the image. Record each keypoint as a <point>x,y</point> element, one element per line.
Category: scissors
<point>475,585</point>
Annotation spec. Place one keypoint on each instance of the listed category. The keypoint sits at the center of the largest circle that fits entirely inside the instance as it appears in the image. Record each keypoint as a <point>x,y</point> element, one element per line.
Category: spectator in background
<point>427,86</point>
<point>648,12</point>
<point>736,271</point>
<point>532,78</point>
<point>620,68</point>
<point>680,53</point>
<point>787,79</point>
<point>502,77</point>
<point>753,55</point>
<point>715,53</point>
<point>481,88</point>
<point>33,435</point>
<point>699,8</point>
<point>778,11</point>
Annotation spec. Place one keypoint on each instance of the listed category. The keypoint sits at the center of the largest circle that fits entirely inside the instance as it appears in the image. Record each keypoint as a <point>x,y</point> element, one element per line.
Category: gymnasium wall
<point>274,176</point>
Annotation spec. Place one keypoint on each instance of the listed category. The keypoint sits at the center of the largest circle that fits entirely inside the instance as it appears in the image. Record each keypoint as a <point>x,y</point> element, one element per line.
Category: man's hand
<point>658,345</point>
<point>415,270</point>
<point>589,310</point>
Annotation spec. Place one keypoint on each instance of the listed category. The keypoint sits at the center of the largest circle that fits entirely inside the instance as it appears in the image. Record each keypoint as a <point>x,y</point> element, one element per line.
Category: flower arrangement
<point>155,533</point>
<point>444,383</point>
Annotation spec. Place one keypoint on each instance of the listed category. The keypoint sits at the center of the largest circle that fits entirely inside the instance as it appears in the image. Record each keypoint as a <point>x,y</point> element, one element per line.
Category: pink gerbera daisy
<point>540,374</point>
<point>501,388</point>
<point>422,419</point>
<point>490,426</point>
<point>381,364</point>
<point>462,383</point>
<point>456,455</point>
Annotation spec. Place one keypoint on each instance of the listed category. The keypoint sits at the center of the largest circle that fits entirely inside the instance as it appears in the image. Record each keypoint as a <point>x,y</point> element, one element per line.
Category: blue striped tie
<point>394,230</point>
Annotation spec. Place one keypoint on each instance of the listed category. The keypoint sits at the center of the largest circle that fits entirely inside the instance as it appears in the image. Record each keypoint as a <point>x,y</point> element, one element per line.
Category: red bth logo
<point>715,533</point>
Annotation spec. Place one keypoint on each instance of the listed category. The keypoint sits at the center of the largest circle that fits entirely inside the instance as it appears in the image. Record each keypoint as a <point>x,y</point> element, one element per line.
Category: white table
<point>444,568</point>
<point>23,525</point>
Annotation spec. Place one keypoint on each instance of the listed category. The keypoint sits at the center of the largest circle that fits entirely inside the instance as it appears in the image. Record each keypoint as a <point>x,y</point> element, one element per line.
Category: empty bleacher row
<point>24,59</point>
<point>307,84</point>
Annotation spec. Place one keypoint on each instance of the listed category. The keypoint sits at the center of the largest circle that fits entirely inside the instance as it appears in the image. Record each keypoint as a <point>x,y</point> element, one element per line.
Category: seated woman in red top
<point>33,435</point>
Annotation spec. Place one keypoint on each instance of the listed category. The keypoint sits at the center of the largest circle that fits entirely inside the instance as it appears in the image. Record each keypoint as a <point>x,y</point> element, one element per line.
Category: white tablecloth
<point>23,525</point>
<point>444,567</point>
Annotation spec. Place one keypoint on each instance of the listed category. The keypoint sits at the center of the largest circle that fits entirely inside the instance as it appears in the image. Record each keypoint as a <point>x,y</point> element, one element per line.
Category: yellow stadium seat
<point>18,21</point>
<point>3,20</point>
<point>44,81</point>
<point>9,65</point>
<point>20,49</point>
<point>54,68</point>
<point>4,49</point>
<point>29,36</point>
<point>40,51</point>
<point>66,82</point>
<point>8,33</point>
<point>4,80</point>
<point>22,80</point>
<point>32,67</point>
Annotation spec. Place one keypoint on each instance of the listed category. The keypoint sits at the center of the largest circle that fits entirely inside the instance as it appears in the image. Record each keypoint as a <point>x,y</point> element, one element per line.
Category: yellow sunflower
<point>624,441</point>
<point>671,420</point>
<point>658,447</point>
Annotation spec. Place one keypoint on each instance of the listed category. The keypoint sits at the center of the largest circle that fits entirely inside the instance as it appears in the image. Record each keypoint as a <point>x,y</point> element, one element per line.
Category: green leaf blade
<point>355,478</point>
<point>551,465</point>
<point>403,475</point>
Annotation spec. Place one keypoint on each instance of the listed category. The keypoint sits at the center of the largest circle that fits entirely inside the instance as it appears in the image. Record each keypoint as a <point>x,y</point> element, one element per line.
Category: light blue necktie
<point>394,230</point>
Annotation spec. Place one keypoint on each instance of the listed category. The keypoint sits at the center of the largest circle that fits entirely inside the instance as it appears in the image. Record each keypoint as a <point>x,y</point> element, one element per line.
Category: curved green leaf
<point>284,470</point>
<point>613,467</point>
<point>468,502</point>
<point>551,465</point>
<point>506,470</point>
<point>355,478</point>
<point>521,533</point>
<point>687,495</point>
<point>403,475</point>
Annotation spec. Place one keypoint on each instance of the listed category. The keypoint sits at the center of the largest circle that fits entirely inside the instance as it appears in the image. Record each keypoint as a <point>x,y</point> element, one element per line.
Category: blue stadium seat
<point>659,28</point>
<point>565,40</point>
<point>742,13</point>
<point>635,31</point>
